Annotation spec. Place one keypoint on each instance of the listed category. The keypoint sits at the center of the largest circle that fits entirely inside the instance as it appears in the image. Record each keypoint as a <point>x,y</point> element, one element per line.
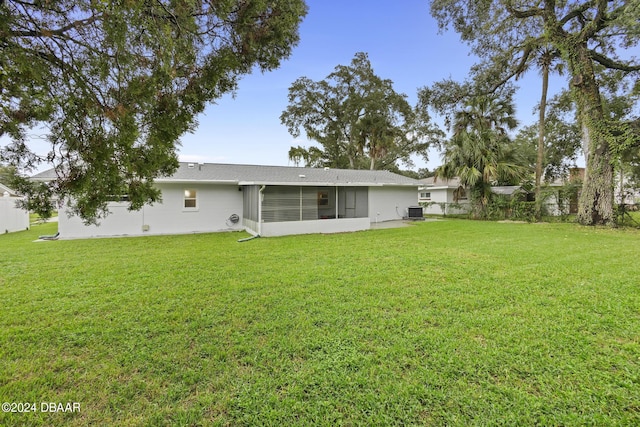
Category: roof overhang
<point>282,183</point>
<point>442,187</point>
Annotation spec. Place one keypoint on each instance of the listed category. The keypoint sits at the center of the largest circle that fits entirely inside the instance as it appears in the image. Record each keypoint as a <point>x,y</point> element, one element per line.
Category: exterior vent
<point>191,165</point>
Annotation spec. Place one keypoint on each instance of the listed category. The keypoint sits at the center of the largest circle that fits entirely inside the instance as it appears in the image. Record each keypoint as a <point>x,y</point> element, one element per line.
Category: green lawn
<point>441,323</point>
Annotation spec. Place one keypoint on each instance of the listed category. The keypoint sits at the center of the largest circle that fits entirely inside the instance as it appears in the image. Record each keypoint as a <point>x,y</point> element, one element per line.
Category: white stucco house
<point>263,200</point>
<point>437,195</point>
<point>12,218</point>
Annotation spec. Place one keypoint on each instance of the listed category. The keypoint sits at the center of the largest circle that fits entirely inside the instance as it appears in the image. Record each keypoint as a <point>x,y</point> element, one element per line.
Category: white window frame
<point>190,194</point>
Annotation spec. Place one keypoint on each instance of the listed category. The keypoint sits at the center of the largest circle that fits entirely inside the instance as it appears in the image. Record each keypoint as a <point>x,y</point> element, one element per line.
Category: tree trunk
<point>541,136</point>
<point>595,206</point>
<point>352,162</point>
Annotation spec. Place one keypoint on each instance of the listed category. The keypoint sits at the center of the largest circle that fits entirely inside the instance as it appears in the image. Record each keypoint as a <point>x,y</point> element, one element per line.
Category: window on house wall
<point>190,199</point>
<point>425,196</point>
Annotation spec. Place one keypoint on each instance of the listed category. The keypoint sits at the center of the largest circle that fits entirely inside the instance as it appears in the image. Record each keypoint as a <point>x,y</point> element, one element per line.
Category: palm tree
<point>478,152</point>
<point>546,57</point>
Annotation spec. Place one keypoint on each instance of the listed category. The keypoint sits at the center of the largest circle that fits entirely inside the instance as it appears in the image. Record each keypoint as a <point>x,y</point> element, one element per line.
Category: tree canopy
<point>115,83</point>
<point>561,142</point>
<point>587,35</point>
<point>358,119</point>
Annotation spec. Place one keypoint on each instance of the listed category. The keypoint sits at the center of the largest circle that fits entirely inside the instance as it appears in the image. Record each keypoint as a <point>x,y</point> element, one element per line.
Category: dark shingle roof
<point>274,175</point>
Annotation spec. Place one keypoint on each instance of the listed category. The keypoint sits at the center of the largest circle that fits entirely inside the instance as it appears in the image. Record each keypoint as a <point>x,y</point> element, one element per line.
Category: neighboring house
<point>443,196</point>
<point>12,218</point>
<point>447,196</point>
<point>559,198</point>
<point>625,191</point>
<point>264,200</point>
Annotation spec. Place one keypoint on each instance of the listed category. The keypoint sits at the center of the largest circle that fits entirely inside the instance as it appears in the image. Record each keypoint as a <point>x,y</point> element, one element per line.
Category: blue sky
<point>403,44</point>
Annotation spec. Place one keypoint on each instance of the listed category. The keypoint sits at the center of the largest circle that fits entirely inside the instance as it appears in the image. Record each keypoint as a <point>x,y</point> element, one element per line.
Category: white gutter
<point>327,184</point>
<point>196,181</point>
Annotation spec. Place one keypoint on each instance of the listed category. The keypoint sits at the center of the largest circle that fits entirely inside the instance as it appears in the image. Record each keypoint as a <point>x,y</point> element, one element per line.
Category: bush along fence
<point>557,203</point>
<point>499,208</point>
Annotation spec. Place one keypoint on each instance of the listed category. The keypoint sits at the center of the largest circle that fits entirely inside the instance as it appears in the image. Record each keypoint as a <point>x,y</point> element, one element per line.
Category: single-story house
<point>448,196</point>
<point>437,195</point>
<point>12,218</point>
<point>263,200</point>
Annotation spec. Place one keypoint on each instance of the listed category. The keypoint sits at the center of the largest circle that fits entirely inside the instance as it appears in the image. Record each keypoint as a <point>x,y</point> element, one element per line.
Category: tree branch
<point>612,64</point>
<point>575,13</point>
<point>598,22</point>
<point>58,32</point>
<point>519,69</point>
<point>522,14</point>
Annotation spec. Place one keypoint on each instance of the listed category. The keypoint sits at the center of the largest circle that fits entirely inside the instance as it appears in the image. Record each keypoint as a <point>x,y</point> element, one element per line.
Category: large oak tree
<point>115,83</point>
<point>357,118</point>
<point>587,35</point>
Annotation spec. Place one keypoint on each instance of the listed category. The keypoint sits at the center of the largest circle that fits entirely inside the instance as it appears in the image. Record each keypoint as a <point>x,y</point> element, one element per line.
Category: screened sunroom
<point>280,209</point>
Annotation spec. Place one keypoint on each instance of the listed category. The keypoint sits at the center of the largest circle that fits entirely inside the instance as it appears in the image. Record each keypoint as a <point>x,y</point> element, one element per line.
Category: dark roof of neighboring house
<point>273,175</point>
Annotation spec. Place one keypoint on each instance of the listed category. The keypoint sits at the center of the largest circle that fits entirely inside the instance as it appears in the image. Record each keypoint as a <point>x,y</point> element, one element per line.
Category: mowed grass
<point>440,323</point>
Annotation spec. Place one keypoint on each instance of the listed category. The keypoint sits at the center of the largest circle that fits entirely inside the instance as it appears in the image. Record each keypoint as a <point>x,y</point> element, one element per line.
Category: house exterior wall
<point>214,206</point>
<point>389,203</point>
<point>438,195</point>
<point>12,218</point>
<point>441,195</point>
<point>215,203</point>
